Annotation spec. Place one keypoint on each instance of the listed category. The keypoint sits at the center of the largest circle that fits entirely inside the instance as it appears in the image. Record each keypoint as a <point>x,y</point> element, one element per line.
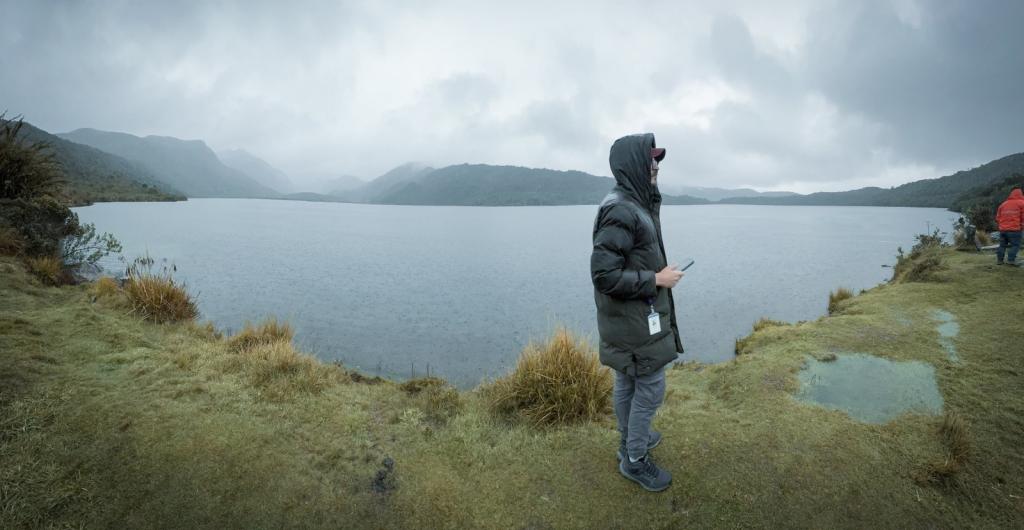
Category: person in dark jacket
<point>636,316</point>
<point>1010,217</point>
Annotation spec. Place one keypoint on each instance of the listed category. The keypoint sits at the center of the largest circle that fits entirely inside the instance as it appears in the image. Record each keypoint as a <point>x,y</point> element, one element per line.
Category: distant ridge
<point>256,168</point>
<point>95,176</point>
<point>487,185</point>
<point>939,192</point>
<point>188,165</point>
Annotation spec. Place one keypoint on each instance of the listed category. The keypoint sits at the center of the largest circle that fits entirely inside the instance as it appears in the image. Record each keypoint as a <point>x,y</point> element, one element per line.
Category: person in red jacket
<point>1010,217</point>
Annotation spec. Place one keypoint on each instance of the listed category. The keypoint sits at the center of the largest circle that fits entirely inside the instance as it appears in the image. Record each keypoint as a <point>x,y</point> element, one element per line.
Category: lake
<point>390,290</point>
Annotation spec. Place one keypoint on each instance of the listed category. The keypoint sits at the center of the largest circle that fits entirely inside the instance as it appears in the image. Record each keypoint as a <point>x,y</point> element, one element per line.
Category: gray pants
<point>636,400</point>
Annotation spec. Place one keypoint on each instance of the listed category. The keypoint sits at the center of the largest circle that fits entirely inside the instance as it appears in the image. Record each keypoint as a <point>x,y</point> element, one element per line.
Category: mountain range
<point>92,175</point>
<point>103,165</point>
<point>187,165</point>
<point>941,192</point>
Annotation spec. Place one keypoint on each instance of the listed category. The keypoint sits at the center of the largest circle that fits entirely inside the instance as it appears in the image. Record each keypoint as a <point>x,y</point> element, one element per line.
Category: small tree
<point>87,247</point>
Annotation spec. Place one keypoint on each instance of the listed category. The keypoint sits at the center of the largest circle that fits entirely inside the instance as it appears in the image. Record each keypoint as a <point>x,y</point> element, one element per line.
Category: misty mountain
<point>939,192</point>
<point>257,168</point>
<point>717,194</point>
<point>95,176</point>
<point>388,183</point>
<point>487,185</point>
<point>338,185</point>
<point>188,165</point>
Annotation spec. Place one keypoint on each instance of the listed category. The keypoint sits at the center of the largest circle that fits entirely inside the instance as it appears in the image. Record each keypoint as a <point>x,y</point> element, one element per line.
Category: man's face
<point>654,172</point>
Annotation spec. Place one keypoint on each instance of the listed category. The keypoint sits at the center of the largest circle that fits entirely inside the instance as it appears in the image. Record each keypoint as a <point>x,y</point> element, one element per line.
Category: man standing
<point>636,316</point>
<point>1010,217</point>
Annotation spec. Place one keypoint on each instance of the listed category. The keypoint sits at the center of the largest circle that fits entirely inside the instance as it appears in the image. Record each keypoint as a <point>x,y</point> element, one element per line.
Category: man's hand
<point>668,277</point>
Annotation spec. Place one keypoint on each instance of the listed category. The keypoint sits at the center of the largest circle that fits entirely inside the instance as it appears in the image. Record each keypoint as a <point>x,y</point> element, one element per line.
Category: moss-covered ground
<point>110,421</point>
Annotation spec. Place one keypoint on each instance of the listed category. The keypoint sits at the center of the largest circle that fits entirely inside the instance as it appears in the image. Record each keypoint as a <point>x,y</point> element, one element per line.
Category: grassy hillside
<point>939,192</point>
<point>989,196</point>
<point>188,165</point>
<point>92,175</point>
<point>106,420</point>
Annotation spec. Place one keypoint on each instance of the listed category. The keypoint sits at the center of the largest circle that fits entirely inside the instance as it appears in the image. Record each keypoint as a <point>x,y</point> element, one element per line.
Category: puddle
<point>870,389</point>
<point>948,328</point>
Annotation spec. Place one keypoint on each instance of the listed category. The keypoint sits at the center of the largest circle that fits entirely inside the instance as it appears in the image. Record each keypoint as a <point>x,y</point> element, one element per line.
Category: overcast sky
<point>802,96</point>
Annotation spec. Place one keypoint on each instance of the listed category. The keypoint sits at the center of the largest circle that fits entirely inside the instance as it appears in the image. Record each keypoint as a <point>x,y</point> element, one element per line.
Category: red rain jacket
<point>1010,214</point>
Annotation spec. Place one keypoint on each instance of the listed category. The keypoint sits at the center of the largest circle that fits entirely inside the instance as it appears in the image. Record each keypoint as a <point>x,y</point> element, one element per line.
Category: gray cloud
<point>802,95</point>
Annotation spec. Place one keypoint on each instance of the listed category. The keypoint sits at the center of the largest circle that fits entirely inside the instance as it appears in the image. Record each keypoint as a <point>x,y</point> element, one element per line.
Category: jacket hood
<point>630,160</point>
<point>1016,195</point>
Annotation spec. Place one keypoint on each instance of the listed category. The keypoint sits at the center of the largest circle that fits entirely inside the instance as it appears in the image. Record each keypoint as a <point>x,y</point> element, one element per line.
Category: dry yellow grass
<point>160,299</point>
<point>282,371</point>
<point>269,331</point>
<point>956,440</point>
<point>557,382</point>
<point>836,297</point>
<point>106,287</point>
<point>47,269</point>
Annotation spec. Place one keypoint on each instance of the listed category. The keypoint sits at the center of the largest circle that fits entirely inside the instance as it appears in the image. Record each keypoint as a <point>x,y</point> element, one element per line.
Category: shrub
<point>11,242</point>
<point>155,295</point>
<point>27,170</point>
<point>85,247</point>
<point>923,261</point>
<point>41,223</point>
<point>48,269</point>
<point>559,382</point>
<point>267,332</point>
<point>834,298</point>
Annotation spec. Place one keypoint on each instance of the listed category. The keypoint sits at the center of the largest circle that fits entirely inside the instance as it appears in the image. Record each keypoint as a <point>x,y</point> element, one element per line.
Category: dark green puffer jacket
<point>628,251</point>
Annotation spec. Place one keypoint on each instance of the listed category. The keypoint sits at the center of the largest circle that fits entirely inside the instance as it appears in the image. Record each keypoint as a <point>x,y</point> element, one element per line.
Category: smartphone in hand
<point>686,266</point>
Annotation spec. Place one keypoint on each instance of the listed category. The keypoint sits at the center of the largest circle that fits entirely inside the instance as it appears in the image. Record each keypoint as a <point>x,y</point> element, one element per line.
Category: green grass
<point>107,420</point>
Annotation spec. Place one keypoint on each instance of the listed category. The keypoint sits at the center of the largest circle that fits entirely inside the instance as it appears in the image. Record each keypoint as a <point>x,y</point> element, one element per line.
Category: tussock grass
<point>955,436</point>
<point>281,371</point>
<point>160,298</point>
<point>206,331</point>
<point>106,287</point>
<point>836,297</point>
<point>420,384</point>
<point>47,269</point>
<point>438,400</point>
<point>270,331</point>
<point>554,383</point>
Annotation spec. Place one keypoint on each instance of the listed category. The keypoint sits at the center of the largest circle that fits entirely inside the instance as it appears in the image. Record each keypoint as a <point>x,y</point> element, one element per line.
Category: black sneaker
<point>652,442</point>
<point>645,473</point>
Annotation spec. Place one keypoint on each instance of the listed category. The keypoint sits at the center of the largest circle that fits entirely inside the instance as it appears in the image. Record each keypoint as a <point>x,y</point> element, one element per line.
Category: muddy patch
<point>870,389</point>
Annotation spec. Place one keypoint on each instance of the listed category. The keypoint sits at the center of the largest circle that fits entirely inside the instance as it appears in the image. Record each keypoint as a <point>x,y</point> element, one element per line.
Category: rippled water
<point>391,289</point>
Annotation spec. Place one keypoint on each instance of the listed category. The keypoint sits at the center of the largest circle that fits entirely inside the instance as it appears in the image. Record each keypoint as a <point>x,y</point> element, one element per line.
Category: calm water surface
<point>391,289</point>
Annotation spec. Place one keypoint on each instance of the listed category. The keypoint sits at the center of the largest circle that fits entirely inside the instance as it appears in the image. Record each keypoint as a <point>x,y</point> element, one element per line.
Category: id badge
<point>654,323</point>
